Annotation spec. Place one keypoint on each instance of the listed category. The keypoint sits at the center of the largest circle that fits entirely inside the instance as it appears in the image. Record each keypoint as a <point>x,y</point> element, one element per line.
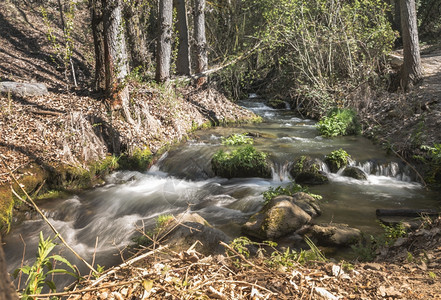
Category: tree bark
<point>98,40</point>
<point>201,42</point>
<point>7,290</point>
<point>411,71</point>
<point>139,55</point>
<point>163,55</point>
<point>115,56</point>
<point>183,65</point>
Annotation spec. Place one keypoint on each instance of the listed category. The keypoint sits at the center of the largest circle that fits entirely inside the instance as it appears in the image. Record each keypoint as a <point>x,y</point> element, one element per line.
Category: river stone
<point>338,235</point>
<point>277,218</point>
<point>308,203</point>
<point>307,170</point>
<point>23,89</point>
<point>355,173</point>
<point>190,228</point>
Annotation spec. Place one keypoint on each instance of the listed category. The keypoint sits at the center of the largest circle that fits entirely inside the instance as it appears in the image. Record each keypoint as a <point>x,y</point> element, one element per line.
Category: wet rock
<point>189,228</point>
<point>307,203</point>
<point>278,217</point>
<point>23,89</point>
<point>355,173</point>
<point>307,170</point>
<point>276,103</point>
<point>334,235</point>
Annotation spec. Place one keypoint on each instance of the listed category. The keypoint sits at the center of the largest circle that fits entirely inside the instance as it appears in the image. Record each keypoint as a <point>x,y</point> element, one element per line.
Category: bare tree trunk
<point>139,55</point>
<point>163,55</point>
<point>183,64</point>
<point>411,71</point>
<point>7,290</point>
<point>201,42</point>
<point>96,10</point>
<point>115,56</point>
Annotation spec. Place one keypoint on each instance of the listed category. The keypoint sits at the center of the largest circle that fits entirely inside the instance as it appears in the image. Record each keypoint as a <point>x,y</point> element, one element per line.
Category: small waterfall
<point>157,165</point>
<point>280,171</point>
<point>391,169</point>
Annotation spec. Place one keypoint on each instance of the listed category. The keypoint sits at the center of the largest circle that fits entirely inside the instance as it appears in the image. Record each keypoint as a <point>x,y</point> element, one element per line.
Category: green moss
<point>139,160</point>
<point>276,103</point>
<point>6,207</point>
<point>337,159</point>
<point>244,161</point>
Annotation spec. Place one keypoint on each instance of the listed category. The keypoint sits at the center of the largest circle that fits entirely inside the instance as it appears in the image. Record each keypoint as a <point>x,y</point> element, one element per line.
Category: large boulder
<point>337,235</point>
<point>307,170</point>
<point>188,228</point>
<point>355,173</point>
<point>307,203</point>
<point>23,89</point>
<point>279,217</point>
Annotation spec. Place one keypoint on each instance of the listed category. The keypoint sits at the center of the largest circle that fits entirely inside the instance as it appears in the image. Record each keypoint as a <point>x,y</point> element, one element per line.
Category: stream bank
<point>70,142</point>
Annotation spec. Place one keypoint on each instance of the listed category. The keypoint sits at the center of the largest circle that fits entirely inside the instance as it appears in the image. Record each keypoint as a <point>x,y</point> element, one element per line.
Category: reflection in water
<point>183,180</point>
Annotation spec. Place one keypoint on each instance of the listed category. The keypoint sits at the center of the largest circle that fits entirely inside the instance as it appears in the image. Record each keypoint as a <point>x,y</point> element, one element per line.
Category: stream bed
<point>183,180</point>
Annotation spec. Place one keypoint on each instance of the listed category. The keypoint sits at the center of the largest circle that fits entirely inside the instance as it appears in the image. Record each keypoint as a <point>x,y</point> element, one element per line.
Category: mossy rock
<point>355,173</point>
<point>242,162</point>
<point>276,103</point>
<point>335,235</point>
<point>138,160</point>
<point>337,159</point>
<point>307,170</point>
<point>279,217</point>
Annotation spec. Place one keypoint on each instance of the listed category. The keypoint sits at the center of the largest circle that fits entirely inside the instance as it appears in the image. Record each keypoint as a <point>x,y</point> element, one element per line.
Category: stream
<point>182,179</point>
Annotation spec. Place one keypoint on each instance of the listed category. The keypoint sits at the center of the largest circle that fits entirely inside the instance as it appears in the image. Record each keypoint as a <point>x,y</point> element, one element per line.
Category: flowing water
<point>182,180</point>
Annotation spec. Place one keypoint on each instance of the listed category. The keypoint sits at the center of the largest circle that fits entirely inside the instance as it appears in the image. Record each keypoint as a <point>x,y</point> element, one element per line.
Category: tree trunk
<point>7,290</point>
<point>163,55</point>
<point>98,40</point>
<point>411,71</point>
<point>201,42</point>
<point>183,64</point>
<point>139,55</point>
<point>115,56</point>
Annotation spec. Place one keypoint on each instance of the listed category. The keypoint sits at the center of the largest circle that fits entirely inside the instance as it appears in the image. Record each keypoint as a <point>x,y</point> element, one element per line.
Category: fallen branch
<point>69,293</point>
<point>127,263</point>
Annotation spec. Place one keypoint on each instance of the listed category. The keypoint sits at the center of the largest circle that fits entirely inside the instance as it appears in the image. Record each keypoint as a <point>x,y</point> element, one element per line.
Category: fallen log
<point>404,212</point>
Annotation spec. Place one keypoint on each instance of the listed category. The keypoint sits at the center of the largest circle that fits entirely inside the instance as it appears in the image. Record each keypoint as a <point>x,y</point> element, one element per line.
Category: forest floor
<point>72,128</point>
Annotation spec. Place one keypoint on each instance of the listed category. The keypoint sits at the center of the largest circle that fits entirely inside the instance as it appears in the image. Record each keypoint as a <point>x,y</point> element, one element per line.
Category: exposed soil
<point>76,128</point>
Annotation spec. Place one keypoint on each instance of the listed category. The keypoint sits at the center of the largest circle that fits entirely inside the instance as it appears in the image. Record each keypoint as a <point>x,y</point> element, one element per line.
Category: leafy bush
<point>244,161</point>
<point>339,122</point>
<point>433,161</point>
<point>237,139</point>
<point>337,159</point>
<point>368,246</point>
<point>43,267</point>
<point>289,191</point>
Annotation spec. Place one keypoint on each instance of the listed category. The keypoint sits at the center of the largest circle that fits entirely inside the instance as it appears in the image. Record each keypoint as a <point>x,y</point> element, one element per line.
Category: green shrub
<point>339,122</point>
<point>237,139</point>
<point>337,159</point>
<point>433,161</point>
<point>244,161</point>
<point>289,191</point>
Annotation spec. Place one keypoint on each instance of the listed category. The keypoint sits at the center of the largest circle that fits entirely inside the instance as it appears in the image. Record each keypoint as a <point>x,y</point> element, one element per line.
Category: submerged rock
<point>307,170</point>
<point>279,217</point>
<point>334,234</point>
<point>355,173</point>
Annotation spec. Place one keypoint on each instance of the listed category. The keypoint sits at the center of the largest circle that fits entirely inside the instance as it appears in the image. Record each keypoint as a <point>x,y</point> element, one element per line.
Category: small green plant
<point>43,267</point>
<point>337,159</point>
<point>368,246</point>
<point>245,161</point>
<point>432,275</point>
<point>162,221</point>
<point>339,122</point>
<point>289,191</point>
<point>139,160</point>
<point>237,139</point>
